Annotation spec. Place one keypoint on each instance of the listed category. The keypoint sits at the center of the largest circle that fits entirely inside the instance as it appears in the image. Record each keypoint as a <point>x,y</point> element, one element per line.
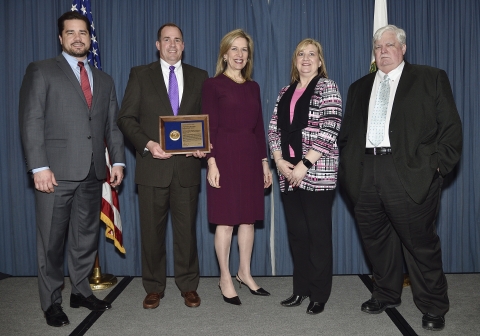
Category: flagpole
<point>110,213</point>
<point>99,281</point>
<point>380,19</point>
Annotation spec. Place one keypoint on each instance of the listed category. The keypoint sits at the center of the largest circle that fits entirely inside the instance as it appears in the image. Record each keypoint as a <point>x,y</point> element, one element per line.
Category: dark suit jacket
<point>425,130</point>
<point>146,99</point>
<point>57,127</point>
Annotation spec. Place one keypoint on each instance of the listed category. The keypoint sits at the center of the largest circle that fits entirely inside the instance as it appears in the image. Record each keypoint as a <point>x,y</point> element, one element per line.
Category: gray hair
<point>401,36</point>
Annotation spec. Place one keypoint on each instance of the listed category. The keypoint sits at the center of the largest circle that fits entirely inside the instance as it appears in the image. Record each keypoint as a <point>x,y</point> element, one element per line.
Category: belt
<point>378,150</point>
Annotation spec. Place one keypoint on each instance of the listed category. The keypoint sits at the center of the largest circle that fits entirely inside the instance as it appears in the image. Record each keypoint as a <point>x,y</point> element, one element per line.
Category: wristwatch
<point>307,163</point>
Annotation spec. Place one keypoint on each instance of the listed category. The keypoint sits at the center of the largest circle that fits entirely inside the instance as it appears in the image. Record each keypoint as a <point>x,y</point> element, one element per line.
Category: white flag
<point>380,19</point>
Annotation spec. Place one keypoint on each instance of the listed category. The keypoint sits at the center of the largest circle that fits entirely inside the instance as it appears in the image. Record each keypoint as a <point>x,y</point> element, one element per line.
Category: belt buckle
<point>374,150</point>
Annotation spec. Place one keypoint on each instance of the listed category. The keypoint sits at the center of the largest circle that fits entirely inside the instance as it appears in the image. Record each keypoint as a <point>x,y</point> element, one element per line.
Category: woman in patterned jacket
<point>302,137</point>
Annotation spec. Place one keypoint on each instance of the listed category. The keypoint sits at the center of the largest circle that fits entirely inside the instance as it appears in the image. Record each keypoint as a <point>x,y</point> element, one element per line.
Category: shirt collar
<point>73,61</point>
<point>167,66</point>
<point>394,74</point>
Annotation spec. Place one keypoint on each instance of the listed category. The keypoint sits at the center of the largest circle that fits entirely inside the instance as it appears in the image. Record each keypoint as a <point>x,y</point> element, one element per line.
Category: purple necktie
<point>173,90</point>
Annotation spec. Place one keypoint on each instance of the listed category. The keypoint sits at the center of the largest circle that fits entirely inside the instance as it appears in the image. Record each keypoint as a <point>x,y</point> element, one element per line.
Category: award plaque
<point>184,134</point>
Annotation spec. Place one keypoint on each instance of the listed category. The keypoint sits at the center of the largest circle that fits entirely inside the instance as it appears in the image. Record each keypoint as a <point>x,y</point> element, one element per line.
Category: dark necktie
<point>85,84</point>
<point>173,90</point>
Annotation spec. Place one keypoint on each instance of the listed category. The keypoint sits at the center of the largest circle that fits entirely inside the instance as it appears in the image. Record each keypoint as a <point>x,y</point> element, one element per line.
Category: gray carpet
<point>20,312</point>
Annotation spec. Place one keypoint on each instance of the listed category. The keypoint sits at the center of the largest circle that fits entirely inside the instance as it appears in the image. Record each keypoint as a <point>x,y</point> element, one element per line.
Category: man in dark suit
<point>165,181</point>
<point>67,112</point>
<point>400,136</point>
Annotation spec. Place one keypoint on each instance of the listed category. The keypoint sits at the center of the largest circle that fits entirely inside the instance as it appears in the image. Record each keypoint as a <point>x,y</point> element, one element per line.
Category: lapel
<point>188,85</point>
<point>67,70</point>
<point>96,86</point>
<point>365,93</point>
<point>405,84</point>
<point>156,76</point>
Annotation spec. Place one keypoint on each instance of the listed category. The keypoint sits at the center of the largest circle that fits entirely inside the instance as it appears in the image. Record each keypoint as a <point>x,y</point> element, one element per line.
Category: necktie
<point>377,123</point>
<point>173,90</point>
<point>85,84</point>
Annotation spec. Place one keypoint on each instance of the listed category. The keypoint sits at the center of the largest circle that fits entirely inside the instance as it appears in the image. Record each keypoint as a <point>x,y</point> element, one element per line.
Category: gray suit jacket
<point>146,99</point>
<point>57,127</point>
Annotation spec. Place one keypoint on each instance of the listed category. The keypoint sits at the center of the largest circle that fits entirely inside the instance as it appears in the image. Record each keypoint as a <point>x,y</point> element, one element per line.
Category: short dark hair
<point>168,25</point>
<point>72,15</point>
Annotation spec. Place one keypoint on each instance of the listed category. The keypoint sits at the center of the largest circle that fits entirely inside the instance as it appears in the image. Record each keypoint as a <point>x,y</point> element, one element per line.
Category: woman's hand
<point>297,174</point>
<point>285,168</point>
<point>213,175</point>
<point>267,174</point>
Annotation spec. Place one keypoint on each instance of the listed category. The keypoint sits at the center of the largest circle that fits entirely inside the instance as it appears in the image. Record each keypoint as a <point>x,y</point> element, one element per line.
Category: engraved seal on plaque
<point>174,135</point>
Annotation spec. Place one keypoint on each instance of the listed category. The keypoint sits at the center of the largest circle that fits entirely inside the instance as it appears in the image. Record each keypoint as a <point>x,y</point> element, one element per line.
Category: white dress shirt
<point>394,76</point>
<point>178,73</point>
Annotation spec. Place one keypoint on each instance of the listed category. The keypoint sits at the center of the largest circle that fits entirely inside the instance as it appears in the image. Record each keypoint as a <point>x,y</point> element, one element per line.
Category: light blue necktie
<point>173,90</point>
<point>377,122</point>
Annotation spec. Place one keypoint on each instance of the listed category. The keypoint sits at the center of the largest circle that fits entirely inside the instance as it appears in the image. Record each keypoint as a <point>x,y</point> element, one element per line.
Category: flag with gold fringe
<point>110,213</point>
<point>380,19</point>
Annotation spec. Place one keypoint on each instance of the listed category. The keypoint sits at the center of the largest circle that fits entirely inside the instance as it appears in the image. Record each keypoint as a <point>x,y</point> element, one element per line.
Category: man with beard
<point>67,113</point>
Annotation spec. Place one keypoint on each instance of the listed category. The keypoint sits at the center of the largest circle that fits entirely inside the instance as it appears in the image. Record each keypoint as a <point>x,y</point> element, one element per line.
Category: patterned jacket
<point>324,120</point>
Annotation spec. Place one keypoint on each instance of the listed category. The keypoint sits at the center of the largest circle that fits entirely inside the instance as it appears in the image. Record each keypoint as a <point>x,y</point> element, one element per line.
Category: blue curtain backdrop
<point>440,33</point>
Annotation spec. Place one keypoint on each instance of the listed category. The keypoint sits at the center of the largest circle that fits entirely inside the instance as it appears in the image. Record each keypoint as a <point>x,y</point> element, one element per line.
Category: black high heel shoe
<point>233,300</point>
<point>259,291</point>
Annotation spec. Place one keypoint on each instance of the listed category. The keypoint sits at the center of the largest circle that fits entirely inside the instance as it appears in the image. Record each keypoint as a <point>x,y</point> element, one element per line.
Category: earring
<point>225,60</point>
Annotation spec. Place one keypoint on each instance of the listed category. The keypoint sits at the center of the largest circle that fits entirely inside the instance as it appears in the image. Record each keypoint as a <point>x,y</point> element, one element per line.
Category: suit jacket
<point>146,99</point>
<point>320,134</point>
<point>57,127</point>
<point>425,130</point>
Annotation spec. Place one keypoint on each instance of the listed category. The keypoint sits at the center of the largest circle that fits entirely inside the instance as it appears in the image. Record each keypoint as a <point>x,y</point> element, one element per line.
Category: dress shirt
<point>394,76</point>
<point>178,73</point>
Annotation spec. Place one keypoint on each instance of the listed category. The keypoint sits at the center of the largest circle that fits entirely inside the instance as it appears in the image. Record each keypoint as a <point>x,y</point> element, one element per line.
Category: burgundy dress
<point>238,139</point>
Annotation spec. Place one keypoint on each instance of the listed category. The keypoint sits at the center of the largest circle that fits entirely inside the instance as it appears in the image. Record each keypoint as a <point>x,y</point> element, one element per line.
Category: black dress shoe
<point>315,307</point>
<point>233,300</point>
<point>433,322</point>
<point>293,301</point>
<point>373,306</point>
<point>259,291</point>
<point>91,302</point>
<point>55,316</point>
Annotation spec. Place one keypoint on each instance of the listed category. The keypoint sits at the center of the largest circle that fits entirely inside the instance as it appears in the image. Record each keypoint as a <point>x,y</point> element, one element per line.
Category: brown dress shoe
<point>191,299</point>
<point>152,300</point>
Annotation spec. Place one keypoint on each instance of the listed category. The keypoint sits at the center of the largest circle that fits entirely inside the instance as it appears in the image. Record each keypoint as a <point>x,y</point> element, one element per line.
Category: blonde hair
<point>322,70</point>
<point>226,43</point>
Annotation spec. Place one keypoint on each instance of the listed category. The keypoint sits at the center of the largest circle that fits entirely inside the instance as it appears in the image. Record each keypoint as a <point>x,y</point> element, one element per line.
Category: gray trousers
<point>73,211</point>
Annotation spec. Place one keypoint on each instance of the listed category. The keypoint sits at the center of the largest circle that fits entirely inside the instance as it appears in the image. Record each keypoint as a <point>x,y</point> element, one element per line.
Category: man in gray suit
<point>165,181</point>
<point>67,113</point>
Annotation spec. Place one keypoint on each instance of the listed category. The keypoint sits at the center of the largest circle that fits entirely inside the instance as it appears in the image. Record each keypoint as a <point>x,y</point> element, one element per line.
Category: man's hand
<point>199,154</point>
<point>44,181</point>
<point>157,151</point>
<point>116,176</point>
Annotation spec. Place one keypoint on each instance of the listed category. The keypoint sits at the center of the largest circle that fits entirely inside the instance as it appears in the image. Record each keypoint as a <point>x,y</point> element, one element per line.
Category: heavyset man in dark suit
<point>164,181</point>
<point>63,134</point>
<point>395,180</point>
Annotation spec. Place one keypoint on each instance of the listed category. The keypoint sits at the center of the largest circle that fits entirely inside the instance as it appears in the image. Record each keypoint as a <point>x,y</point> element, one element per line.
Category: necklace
<point>236,81</point>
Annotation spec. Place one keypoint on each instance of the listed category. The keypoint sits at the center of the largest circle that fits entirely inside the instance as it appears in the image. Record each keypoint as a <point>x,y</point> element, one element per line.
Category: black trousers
<point>309,225</point>
<point>389,221</point>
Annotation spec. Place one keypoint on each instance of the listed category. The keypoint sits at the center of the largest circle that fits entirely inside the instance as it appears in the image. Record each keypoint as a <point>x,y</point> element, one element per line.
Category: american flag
<point>110,213</point>
<point>83,6</point>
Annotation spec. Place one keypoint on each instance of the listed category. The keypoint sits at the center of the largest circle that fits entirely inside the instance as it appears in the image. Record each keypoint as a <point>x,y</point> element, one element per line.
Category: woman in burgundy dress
<point>238,168</point>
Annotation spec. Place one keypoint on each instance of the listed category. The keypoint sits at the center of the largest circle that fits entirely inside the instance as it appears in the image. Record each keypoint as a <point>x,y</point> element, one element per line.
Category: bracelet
<point>264,160</point>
